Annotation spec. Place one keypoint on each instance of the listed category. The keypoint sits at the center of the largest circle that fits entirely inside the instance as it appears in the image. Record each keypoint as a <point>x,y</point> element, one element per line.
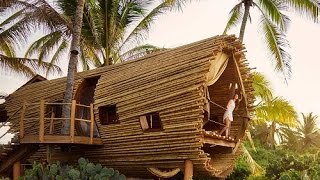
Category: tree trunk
<point>74,54</point>
<point>106,63</point>
<point>247,5</point>
<point>271,133</point>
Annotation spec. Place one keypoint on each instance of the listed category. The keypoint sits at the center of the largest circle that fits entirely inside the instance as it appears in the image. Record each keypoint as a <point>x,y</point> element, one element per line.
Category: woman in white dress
<point>228,115</point>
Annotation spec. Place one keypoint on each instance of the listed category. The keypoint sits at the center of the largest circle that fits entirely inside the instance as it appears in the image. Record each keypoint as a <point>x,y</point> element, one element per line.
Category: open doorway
<point>85,96</point>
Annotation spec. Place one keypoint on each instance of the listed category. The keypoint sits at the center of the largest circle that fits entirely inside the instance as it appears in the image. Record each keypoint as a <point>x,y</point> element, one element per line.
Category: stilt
<point>16,170</point>
<point>188,170</point>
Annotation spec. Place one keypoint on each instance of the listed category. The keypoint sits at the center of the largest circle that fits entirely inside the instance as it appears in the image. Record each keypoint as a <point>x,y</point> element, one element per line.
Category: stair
<point>13,152</point>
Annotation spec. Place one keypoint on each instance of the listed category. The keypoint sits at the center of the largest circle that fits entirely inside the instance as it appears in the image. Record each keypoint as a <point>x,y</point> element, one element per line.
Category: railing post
<point>72,119</point>
<point>92,123</point>
<point>24,106</point>
<point>41,119</point>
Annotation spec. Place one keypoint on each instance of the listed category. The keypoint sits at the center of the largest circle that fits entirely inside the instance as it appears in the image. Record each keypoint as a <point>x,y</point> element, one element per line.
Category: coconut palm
<point>74,53</point>
<point>290,138</point>
<point>112,31</point>
<point>25,66</point>
<point>274,24</point>
<point>270,110</point>
<point>310,134</point>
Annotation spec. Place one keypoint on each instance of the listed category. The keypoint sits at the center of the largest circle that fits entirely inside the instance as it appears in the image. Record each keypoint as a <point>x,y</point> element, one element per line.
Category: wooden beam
<point>23,151</point>
<point>92,123</point>
<point>16,170</point>
<point>55,139</point>
<point>41,121</point>
<point>72,120</point>
<point>21,134</point>
<point>188,170</point>
<point>219,142</point>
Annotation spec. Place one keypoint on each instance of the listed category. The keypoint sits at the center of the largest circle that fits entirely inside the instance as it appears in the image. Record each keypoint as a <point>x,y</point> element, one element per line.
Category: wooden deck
<point>213,138</point>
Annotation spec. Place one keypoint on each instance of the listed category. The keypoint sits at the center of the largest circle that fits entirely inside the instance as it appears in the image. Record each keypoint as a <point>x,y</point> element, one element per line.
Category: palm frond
<point>6,48</point>
<point>278,110</point>
<point>35,47</point>
<point>236,15</point>
<point>272,9</point>
<point>16,65</point>
<point>139,32</point>
<point>261,87</point>
<point>55,58</point>
<point>256,169</point>
<point>140,51</point>
<point>277,44</point>
<point>308,8</point>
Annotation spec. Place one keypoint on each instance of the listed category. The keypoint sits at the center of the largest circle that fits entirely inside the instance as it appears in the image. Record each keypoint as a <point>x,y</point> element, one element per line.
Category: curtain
<point>218,65</point>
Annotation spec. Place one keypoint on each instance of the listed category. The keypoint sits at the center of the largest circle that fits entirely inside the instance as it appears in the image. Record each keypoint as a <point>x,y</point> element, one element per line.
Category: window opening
<point>108,114</point>
<point>151,121</point>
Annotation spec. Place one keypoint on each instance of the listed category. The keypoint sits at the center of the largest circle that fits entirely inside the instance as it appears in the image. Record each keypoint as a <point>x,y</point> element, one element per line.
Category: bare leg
<point>228,124</point>
<point>226,127</point>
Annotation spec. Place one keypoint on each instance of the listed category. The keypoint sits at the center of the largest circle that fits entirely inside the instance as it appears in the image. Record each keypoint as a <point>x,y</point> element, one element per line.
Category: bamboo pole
<point>22,119</point>
<point>72,120</point>
<point>41,121</point>
<point>92,123</point>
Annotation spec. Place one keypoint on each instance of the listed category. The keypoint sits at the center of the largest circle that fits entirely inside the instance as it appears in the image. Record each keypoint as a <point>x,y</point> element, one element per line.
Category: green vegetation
<point>83,170</point>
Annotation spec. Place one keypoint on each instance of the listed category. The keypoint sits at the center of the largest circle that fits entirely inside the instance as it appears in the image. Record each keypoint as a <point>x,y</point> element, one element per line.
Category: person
<point>228,115</point>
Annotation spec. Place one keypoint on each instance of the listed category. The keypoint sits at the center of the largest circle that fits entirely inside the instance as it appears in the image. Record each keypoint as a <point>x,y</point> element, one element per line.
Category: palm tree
<point>112,29</point>
<point>310,134</point>
<point>270,110</point>
<point>74,53</point>
<point>274,24</point>
<point>10,62</point>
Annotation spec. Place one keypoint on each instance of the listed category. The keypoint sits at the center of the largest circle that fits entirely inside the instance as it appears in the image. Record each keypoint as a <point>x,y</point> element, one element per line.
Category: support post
<point>41,119</point>
<point>72,119</point>
<point>16,170</point>
<point>188,170</point>
<point>52,122</point>
<point>91,123</point>
<point>23,111</point>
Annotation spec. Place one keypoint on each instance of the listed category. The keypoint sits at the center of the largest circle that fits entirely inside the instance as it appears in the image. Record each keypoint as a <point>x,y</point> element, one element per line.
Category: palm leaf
<point>261,86</point>
<point>236,15</point>
<point>55,58</point>
<point>308,8</point>
<point>277,44</point>
<point>272,9</point>
<point>139,32</point>
<point>140,51</point>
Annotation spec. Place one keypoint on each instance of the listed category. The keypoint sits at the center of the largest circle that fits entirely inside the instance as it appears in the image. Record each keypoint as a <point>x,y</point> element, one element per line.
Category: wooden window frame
<point>146,123</point>
<point>104,112</point>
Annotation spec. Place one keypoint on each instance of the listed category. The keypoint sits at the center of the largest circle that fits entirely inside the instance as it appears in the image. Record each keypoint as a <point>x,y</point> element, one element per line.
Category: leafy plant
<point>83,171</point>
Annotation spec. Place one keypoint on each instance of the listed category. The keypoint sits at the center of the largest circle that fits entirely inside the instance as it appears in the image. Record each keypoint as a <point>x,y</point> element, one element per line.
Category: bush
<point>84,171</point>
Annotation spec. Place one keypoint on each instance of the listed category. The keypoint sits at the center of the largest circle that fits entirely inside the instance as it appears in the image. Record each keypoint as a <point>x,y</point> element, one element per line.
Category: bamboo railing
<point>46,124</point>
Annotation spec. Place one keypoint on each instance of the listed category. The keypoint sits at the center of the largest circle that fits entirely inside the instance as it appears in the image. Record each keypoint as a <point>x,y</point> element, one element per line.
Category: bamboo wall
<point>168,82</point>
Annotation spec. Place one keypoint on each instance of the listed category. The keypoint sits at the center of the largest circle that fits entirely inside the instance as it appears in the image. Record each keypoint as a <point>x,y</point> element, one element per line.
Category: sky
<point>207,18</point>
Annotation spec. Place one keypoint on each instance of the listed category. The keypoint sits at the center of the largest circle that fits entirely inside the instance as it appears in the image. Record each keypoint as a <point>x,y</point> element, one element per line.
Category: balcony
<point>41,123</point>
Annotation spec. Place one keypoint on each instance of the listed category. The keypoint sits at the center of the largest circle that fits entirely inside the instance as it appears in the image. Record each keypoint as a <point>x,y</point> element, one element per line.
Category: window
<point>150,121</point>
<point>108,114</point>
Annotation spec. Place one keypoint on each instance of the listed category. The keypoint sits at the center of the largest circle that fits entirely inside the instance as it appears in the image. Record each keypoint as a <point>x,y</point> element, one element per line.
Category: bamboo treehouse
<point>156,115</point>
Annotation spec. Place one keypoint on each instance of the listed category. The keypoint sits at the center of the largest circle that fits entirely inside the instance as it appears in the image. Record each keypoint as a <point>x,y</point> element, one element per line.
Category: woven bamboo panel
<point>169,82</point>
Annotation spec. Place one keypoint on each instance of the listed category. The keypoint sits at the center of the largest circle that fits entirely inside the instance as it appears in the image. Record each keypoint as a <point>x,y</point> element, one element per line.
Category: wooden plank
<point>72,120</point>
<point>219,142</point>
<point>92,123</point>
<point>58,139</point>
<point>41,120</point>
<point>21,134</point>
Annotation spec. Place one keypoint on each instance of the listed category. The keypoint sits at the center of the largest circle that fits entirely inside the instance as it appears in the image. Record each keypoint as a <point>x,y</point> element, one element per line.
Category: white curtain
<point>218,65</point>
